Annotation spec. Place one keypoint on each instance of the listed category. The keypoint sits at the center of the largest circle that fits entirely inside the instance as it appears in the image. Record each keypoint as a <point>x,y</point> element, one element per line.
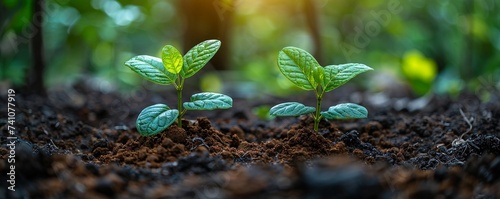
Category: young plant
<point>173,68</point>
<point>304,71</point>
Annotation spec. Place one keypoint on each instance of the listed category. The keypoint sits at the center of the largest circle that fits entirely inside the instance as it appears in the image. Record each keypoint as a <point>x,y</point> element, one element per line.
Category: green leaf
<point>300,67</point>
<point>156,118</point>
<point>337,75</point>
<point>345,111</point>
<point>199,56</point>
<point>151,68</point>
<point>172,59</point>
<point>291,109</point>
<point>209,101</point>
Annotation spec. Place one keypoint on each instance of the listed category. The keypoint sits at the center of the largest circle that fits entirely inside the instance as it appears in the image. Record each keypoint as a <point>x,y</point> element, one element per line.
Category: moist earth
<point>82,143</point>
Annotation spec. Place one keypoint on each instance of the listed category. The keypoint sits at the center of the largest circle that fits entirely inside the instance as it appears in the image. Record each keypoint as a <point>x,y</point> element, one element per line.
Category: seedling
<point>304,71</point>
<point>173,68</point>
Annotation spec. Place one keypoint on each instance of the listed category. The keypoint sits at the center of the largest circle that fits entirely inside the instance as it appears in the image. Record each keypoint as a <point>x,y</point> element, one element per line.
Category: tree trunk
<point>35,79</point>
<point>312,21</point>
<point>208,19</point>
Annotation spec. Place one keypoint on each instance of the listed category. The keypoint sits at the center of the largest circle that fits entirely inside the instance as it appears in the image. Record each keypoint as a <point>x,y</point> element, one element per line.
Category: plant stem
<point>179,107</point>
<point>317,117</point>
<point>179,101</point>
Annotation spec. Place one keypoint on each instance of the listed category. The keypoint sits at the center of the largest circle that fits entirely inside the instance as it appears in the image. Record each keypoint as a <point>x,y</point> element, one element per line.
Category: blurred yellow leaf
<point>419,70</point>
<point>417,67</point>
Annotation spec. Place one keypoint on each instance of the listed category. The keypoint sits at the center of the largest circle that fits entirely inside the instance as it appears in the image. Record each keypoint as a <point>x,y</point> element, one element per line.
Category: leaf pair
<point>164,71</point>
<point>304,71</point>
<point>156,118</point>
<point>340,111</point>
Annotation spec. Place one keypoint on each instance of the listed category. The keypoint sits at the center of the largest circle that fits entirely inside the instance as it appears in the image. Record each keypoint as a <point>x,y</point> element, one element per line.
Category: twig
<point>459,141</point>
<point>54,144</point>
<point>202,143</point>
<point>469,122</point>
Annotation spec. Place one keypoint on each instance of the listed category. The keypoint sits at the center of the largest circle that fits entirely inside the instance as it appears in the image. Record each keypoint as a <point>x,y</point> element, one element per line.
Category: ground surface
<point>81,143</point>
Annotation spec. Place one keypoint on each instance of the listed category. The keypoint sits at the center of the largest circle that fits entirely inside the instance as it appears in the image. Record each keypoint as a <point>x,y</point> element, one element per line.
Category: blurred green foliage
<point>443,46</point>
<point>86,38</point>
<point>262,112</point>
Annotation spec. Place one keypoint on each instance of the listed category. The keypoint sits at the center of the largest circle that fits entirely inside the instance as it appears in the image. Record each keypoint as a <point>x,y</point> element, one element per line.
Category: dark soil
<point>82,143</point>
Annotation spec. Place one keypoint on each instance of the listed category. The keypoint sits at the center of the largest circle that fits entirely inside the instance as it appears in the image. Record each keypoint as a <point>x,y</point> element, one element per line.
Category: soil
<point>82,143</point>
